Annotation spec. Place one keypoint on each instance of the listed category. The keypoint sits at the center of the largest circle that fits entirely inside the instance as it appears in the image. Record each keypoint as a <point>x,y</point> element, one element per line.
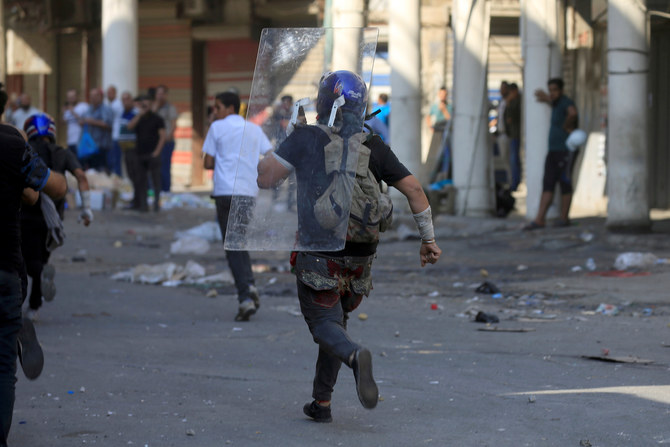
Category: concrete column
<point>348,16</point>
<point>542,61</point>
<point>628,64</point>
<point>472,157</point>
<point>119,45</point>
<point>405,62</point>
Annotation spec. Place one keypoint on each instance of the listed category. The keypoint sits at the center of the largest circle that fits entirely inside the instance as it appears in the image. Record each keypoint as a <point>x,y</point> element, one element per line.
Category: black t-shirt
<point>146,132</point>
<point>303,149</point>
<point>20,168</point>
<point>58,159</point>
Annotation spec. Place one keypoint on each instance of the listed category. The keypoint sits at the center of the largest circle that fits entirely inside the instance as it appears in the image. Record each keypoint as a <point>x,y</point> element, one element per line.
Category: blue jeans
<point>166,166</point>
<point>10,324</point>
<point>114,159</point>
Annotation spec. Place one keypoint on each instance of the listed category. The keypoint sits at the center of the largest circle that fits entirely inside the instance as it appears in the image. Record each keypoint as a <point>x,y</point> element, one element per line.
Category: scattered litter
<point>434,293</point>
<point>209,231</point>
<point>607,309</point>
<point>186,200</point>
<point>433,306</point>
<point>531,399</point>
<point>586,236</point>
<point>190,432</point>
<point>584,443</point>
<point>482,317</point>
<point>497,296</point>
<point>434,382</point>
<point>272,280</point>
<point>189,245</point>
<point>80,256</point>
<point>118,244</point>
<point>577,268</point>
<point>521,267</point>
<point>590,264</point>
<point>487,287</point>
<point>212,293</point>
<point>170,274</point>
<point>362,316</point>
<point>484,273</point>
<point>458,285</point>
<point>497,329</point>
<point>237,329</point>
<point>627,359</point>
<point>261,268</point>
<point>635,260</point>
<point>397,334</point>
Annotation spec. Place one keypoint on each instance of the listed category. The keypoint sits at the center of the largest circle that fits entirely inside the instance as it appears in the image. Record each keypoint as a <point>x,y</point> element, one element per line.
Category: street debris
<point>185,200</point>
<point>586,236</point>
<point>635,260</point>
<point>170,274</point>
<point>590,264</point>
<point>487,287</point>
<point>189,245</point>
<point>208,231</point>
<point>613,359</point>
<point>607,309</point>
<point>483,317</point>
<point>521,267</point>
<point>362,316</point>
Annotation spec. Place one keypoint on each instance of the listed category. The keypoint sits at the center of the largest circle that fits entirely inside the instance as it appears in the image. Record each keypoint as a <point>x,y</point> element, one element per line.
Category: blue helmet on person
<point>40,125</point>
<point>342,83</point>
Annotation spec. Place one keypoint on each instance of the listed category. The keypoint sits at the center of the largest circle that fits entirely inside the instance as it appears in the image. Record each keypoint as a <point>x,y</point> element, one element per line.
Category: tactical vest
<point>370,209</point>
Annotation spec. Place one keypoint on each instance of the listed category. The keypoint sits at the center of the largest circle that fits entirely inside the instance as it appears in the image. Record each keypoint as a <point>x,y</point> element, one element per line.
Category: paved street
<point>146,365</point>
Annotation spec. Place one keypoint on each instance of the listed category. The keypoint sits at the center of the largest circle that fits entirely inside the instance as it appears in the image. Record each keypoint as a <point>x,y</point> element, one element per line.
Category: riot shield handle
<point>296,109</point>
<point>339,102</point>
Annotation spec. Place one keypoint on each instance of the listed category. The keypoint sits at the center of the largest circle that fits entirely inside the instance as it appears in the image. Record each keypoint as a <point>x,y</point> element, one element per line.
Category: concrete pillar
<point>628,64</point>
<point>348,16</point>
<point>542,61</point>
<point>119,45</point>
<point>405,62</point>
<point>472,156</point>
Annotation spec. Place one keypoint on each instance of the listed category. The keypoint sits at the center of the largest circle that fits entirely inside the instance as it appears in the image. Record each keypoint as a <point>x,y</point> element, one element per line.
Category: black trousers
<point>147,166</point>
<point>10,324</point>
<point>35,256</point>
<point>328,326</point>
<point>238,261</point>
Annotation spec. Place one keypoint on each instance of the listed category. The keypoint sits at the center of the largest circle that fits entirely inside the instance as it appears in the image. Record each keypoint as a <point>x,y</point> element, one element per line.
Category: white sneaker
<point>247,309</point>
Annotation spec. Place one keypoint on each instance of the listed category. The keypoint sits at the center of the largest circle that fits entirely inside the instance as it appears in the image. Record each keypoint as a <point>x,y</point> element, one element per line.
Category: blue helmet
<point>40,125</point>
<point>342,83</point>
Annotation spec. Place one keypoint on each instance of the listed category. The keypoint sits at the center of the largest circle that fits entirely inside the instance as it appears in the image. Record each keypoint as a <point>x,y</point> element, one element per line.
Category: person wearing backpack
<point>331,284</point>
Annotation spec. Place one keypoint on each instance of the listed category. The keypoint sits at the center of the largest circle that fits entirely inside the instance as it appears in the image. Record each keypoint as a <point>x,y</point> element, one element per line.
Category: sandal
<point>532,226</point>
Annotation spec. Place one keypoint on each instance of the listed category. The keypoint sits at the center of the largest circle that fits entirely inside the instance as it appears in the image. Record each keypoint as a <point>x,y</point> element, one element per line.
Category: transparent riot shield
<point>289,66</point>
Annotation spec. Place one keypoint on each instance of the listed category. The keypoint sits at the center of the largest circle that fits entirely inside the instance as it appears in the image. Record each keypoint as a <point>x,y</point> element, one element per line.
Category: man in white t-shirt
<point>234,169</point>
<point>73,111</point>
<point>114,155</point>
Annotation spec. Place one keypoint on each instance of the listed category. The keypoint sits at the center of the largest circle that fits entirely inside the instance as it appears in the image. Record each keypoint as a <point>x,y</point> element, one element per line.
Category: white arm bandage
<point>85,199</point>
<point>424,222</point>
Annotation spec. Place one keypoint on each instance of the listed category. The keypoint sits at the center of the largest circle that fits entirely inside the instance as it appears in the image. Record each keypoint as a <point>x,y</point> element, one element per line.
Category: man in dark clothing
<point>150,137</point>
<point>22,174</point>
<point>559,162</point>
<point>41,132</point>
<point>512,117</point>
<point>331,284</point>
